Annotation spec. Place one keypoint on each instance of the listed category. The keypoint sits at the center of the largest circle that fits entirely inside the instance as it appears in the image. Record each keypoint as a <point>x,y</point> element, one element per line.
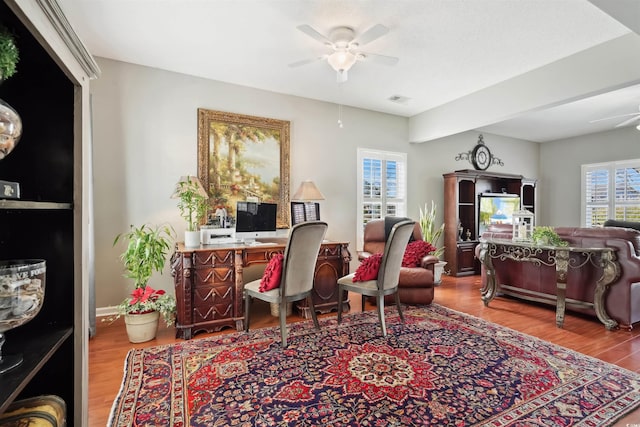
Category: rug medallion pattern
<point>441,368</point>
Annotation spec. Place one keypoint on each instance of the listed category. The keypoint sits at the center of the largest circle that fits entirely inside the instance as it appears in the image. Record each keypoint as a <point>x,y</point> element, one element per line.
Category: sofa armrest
<point>363,255</point>
<point>428,262</point>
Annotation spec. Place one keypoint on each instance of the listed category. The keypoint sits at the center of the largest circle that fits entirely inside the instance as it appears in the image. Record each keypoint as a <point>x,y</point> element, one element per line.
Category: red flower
<point>143,294</point>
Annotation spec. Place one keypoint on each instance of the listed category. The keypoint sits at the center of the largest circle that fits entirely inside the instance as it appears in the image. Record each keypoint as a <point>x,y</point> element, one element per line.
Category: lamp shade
<point>307,191</point>
<point>189,179</point>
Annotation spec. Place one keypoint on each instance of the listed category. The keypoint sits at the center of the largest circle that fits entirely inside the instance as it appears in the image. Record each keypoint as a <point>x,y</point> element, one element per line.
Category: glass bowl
<point>21,297</point>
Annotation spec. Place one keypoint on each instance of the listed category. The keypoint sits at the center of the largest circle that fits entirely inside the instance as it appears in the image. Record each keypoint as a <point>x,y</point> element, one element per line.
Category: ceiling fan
<point>345,48</point>
<point>632,118</point>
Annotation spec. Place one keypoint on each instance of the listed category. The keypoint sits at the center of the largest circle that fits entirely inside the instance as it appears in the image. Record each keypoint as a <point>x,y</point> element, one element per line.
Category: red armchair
<point>415,285</point>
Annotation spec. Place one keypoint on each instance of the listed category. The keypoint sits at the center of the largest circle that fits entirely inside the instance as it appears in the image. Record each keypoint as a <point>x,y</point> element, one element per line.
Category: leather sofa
<point>621,301</point>
<point>416,284</point>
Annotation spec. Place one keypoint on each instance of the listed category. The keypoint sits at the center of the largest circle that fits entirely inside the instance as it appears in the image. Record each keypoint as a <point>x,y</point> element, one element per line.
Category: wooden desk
<point>209,282</point>
<point>560,257</point>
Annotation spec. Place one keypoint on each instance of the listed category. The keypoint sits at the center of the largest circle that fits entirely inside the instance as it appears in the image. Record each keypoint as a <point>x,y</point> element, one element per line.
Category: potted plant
<point>192,203</point>
<point>432,234</point>
<point>544,235</point>
<point>8,54</point>
<point>146,253</point>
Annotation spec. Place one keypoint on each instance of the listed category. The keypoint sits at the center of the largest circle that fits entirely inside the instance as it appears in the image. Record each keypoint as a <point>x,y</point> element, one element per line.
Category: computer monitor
<point>255,220</point>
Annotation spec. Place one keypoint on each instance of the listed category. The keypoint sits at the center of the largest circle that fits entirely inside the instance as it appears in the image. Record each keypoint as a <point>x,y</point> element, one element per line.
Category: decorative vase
<point>192,239</point>
<point>21,297</point>
<point>438,269</point>
<point>10,129</point>
<point>142,327</point>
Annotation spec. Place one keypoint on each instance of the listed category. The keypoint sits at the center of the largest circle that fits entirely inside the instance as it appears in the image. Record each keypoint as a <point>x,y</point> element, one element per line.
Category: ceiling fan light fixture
<point>341,60</point>
<point>638,127</point>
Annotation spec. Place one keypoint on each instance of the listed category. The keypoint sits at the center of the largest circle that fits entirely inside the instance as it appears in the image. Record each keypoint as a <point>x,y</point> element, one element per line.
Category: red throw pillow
<point>368,268</point>
<point>415,251</point>
<point>272,274</point>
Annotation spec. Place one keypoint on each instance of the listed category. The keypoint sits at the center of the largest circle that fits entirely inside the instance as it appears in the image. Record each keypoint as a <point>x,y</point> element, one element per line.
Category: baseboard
<point>106,311</point>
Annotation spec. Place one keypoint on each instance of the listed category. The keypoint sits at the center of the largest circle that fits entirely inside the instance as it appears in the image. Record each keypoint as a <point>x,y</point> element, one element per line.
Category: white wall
<point>560,177</point>
<point>145,138</point>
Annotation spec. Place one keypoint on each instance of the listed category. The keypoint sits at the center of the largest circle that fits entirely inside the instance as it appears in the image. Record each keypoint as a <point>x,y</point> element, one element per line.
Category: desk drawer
<point>209,259</point>
<point>212,302</point>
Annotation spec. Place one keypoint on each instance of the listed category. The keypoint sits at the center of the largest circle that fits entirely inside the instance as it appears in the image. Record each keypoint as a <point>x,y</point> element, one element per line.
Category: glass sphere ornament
<point>21,297</point>
<point>10,129</point>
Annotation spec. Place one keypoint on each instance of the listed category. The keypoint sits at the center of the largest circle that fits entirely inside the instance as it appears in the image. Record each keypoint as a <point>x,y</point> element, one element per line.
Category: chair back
<point>300,256</point>
<point>374,236</point>
<point>394,249</point>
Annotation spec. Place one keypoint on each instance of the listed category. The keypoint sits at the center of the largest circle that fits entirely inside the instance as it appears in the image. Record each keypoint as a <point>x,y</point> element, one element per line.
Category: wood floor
<point>107,350</point>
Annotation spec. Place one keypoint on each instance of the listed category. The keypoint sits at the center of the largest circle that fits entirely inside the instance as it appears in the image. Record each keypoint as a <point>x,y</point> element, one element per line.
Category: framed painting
<point>243,158</point>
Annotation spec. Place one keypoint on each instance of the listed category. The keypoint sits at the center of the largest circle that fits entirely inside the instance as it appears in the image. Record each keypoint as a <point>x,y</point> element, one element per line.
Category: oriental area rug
<point>439,368</point>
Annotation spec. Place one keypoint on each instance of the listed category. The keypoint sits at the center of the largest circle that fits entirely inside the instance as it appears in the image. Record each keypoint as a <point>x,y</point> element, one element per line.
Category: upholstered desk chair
<point>388,274</point>
<point>298,266</point>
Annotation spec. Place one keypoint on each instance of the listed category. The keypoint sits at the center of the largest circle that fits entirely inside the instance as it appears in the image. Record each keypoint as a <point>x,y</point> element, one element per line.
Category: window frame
<point>401,184</point>
<point>611,202</point>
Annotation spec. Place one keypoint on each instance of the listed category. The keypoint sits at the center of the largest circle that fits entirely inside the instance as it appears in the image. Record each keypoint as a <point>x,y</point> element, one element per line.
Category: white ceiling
<point>447,49</point>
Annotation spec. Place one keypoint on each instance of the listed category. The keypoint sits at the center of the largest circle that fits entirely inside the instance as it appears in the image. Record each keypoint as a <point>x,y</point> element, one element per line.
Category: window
<point>611,191</point>
<point>382,186</point>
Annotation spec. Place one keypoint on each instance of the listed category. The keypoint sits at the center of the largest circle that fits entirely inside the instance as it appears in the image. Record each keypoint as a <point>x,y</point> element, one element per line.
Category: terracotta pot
<point>142,327</point>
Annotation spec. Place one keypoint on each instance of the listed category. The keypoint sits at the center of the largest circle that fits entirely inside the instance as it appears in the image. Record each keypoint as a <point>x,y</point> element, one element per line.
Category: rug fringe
<point>116,401</point>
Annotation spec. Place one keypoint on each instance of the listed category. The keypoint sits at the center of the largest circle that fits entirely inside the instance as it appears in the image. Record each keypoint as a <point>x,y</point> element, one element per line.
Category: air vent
<point>399,99</point>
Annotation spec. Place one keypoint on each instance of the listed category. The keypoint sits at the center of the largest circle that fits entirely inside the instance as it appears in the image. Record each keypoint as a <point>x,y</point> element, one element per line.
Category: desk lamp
<point>302,206</point>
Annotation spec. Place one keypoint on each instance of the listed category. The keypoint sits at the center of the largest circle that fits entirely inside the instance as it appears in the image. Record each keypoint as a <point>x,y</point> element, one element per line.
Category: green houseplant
<point>193,206</point>
<point>430,232</point>
<point>192,203</point>
<point>545,235</point>
<point>146,253</point>
<point>8,54</point>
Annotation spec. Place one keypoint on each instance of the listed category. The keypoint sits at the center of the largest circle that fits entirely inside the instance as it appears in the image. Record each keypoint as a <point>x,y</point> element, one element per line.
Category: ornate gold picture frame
<point>244,157</point>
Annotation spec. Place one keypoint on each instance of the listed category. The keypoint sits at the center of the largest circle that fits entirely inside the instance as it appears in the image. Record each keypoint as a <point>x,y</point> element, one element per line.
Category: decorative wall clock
<point>480,156</point>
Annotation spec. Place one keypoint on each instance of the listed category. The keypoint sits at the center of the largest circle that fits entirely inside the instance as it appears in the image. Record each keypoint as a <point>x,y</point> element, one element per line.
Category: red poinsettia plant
<point>146,253</point>
<point>145,300</point>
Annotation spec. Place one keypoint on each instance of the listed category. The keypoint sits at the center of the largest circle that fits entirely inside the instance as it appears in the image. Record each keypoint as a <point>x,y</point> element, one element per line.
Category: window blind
<point>611,191</point>
<point>382,186</point>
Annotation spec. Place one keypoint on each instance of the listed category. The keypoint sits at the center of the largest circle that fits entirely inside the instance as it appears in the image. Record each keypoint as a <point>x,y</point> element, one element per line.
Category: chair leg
<point>399,307</point>
<point>247,302</point>
<point>283,322</point>
<point>313,311</point>
<point>363,301</point>
<point>380,304</point>
<point>340,295</point>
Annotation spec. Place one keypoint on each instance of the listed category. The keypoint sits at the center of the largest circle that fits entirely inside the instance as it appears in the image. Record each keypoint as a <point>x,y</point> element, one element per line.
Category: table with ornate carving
<point>209,282</point>
<point>553,256</point>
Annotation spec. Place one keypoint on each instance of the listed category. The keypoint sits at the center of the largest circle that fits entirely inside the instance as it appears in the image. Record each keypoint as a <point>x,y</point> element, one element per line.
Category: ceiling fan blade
<point>615,117</point>
<point>382,59</point>
<point>305,61</point>
<point>308,30</point>
<point>371,34</point>
<point>631,120</point>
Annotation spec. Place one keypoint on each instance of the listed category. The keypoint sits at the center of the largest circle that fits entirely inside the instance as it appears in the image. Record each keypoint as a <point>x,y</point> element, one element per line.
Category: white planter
<point>192,239</point>
<point>438,269</point>
<point>142,327</point>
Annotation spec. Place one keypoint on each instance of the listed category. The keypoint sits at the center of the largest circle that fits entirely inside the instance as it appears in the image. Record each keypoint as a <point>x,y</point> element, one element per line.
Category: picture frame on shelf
<point>304,211</point>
